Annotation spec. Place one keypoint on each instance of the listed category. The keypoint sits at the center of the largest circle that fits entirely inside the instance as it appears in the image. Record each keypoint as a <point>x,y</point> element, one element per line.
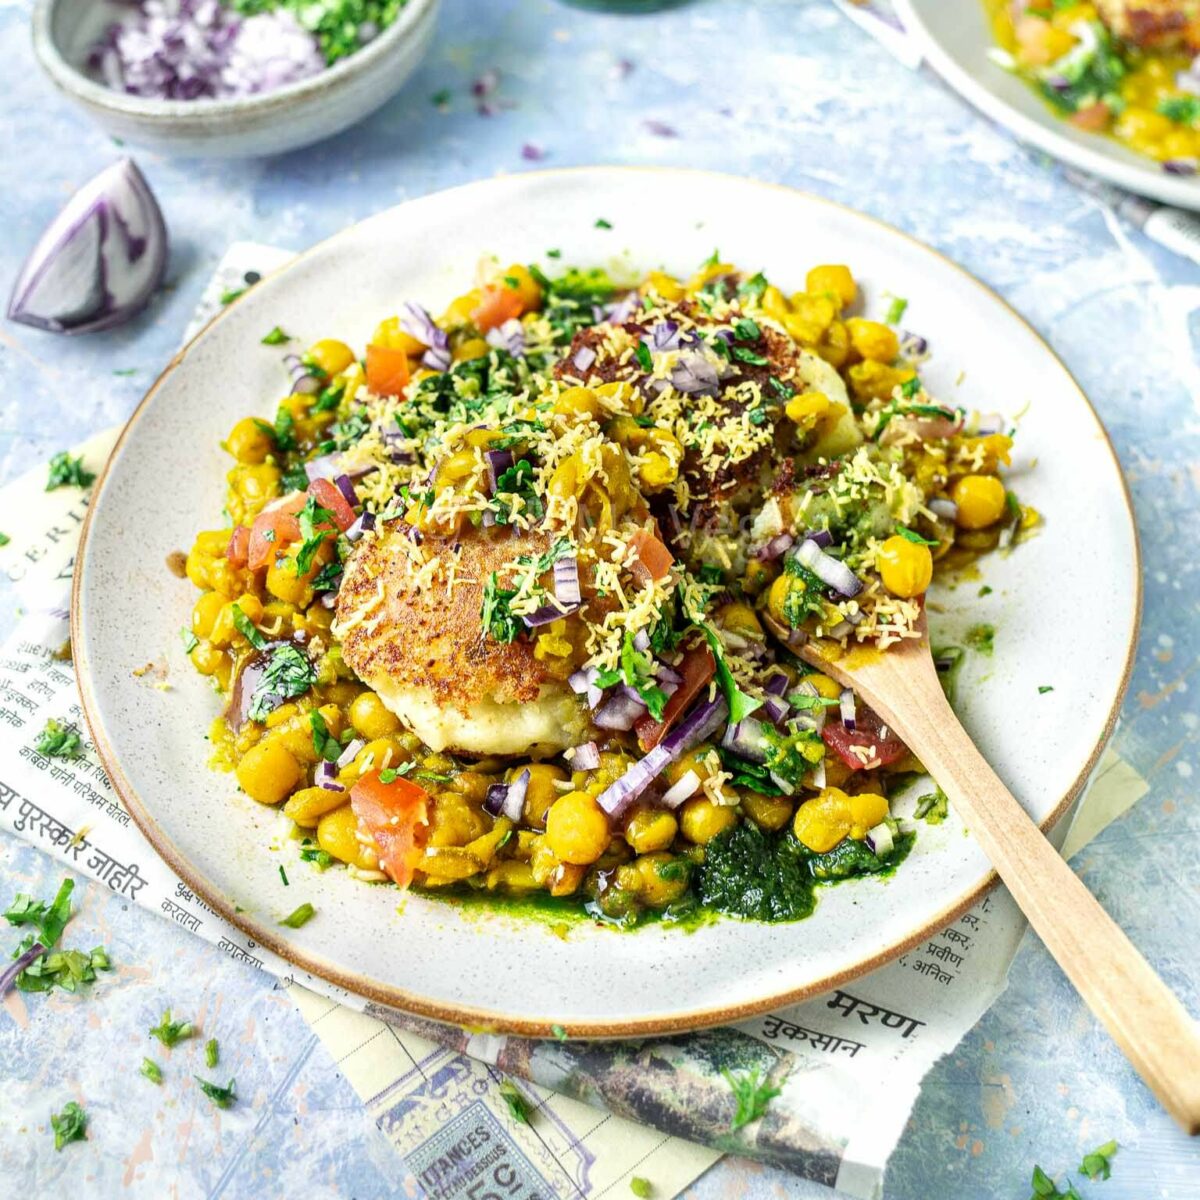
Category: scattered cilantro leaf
<point>212,1053</point>
<point>222,1097</point>
<point>70,1125</point>
<point>317,526</point>
<point>327,747</point>
<point>1098,1164</point>
<point>190,640</point>
<point>289,674</point>
<point>151,1070</point>
<point>981,638</point>
<point>1044,688</point>
<point>301,916</point>
<point>896,311</point>
<point>645,360</point>
<point>497,617</point>
<point>4,539</point>
<point>752,357</point>
<point>311,852</point>
<point>276,337</point>
<point>753,1092</point>
<point>229,295</point>
<point>246,628</point>
<point>933,807</point>
<point>67,471</point>
<point>560,1034</point>
<point>58,741</point>
<point>283,876</point>
<point>601,223</point>
<point>514,1101</point>
<point>171,1033</point>
<point>911,535</point>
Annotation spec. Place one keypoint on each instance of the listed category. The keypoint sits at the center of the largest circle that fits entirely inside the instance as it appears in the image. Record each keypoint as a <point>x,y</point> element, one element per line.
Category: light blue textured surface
<point>780,90</point>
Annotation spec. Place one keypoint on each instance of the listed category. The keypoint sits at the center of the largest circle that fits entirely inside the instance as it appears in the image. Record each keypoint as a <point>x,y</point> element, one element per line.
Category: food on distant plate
<point>1126,68</point>
<point>508,604</point>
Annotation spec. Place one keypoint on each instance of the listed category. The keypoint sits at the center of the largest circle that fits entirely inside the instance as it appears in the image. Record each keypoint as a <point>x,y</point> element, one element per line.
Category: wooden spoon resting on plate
<point>1144,1017</point>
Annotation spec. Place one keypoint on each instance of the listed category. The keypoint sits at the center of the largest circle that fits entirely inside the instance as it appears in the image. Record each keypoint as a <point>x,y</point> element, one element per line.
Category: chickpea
<point>823,821</point>
<point>577,828</point>
<point>740,619</point>
<point>827,688</point>
<point>774,303</point>
<point>661,879</point>
<point>371,718</point>
<point>834,347</point>
<point>388,333</point>
<point>666,286</point>
<point>872,380</point>
<point>867,809</point>
<point>834,279</point>
<point>453,822</point>
<point>470,348</point>
<point>527,287</point>
<point>249,442</point>
<point>810,318</point>
<point>758,575</point>
<point>873,340</point>
<point>208,660</point>
<point>905,567</point>
<point>701,820</point>
<point>541,792</point>
<point>981,501</point>
<point>778,596</point>
<point>578,402</point>
<point>657,471</point>
<point>337,834</point>
<point>251,487</point>
<point>330,356</point>
<point>378,753</point>
<point>767,812</point>
<point>307,806</point>
<point>458,311</point>
<point>225,631</point>
<point>696,760</point>
<point>649,829</point>
<point>205,612</point>
<point>268,772</point>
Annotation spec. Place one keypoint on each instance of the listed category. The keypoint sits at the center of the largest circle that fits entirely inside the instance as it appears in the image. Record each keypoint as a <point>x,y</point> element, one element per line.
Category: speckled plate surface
<point>1065,604</point>
<point>955,38</point>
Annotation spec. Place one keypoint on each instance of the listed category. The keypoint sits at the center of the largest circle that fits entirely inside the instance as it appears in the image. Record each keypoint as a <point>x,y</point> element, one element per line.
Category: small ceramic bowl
<point>64,31</point>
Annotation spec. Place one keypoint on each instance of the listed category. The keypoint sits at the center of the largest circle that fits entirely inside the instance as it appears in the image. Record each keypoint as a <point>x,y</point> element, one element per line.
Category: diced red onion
<point>913,344</point>
<point>623,309</point>
<point>847,708</point>
<point>585,757</point>
<point>776,547</point>
<point>363,523</point>
<point>619,712</point>
<point>348,755</point>
<point>329,599</point>
<point>583,683</point>
<point>497,462</point>
<point>1181,166</point>
<point>746,740</point>
<point>513,803</point>
<point>703,721</point>
<point>776,709</point>
<point>583,358</point>
<point>990,423</point>
<point>415,320</point>
<point>777,684</point>
<point>880,839</point>
<point>665,336</point>
<point>9,976</point>
<point>829,570</point>
<point>543,616</point>
<point>784,785</point>
<point>817,778</point>
<point>946,509</point>
<point>347,489</point>
<point>566,581</point>
<point>99,261</point>
<point>822,537</point>
<point>693,374</point>
<point>486,83</point>
<point>685,787</point>
<point>510,336</point>
<point>436,360</point>
<point>666,675</point>
<point>325,777</point>
<point>641,641</point>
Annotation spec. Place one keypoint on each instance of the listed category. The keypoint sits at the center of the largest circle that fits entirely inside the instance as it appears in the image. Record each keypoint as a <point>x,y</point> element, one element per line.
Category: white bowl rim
<point>397,998</point>
<point>80,85</point>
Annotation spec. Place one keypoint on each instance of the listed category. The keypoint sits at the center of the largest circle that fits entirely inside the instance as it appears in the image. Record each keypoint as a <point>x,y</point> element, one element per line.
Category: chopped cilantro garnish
<point>1184,110</point>
<point>910,387</point>
<point>554,254</point>
<point>753,287</point>
<point>496,615</point>
<point>317,526</point>
<point>785,390</point>
<point>329,398</point>
<point>440,98</point>
<point>289,674</point>
<point>1098,1164</point>
<point>246,627</point>
<point>67,471</point>
<point>805,702</point>
<point>324,743</point>
<point>190,640</point>
<point>601,223</point>
<point>212,1053</point>
<point>641,1188</point>
<point>949,660</point>
<point>753,1091</point>
<point>70,1125</point>
<point>896,311</point>
<point>229,295</point>
<point>311,852</point>
<point>171,1033</point>
<point>748,356</point>
<point>151,1070</point>
<point>301,916</point>
<point>746,330</point>
<point>58,741</point>
<point>985,591</point>
<point>911,535</point>
<point>4,539</point>
<point>276,337</point>
<point>517,1108</point>
<point>66,969</point>
<point>932,808</point>
<point>517,482</point>
<point>642,353</point>
<point>559,1032</point>
<point>283,876</point>
<point>981,638</point>
<point>1044,1188</point>
<point>222,1097</point>
<point>1044,688</point>
<point>637,670</point>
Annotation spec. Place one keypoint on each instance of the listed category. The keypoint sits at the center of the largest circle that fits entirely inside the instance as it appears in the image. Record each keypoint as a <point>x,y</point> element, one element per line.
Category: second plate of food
<point>1107,87</point>
<point>501,511</point>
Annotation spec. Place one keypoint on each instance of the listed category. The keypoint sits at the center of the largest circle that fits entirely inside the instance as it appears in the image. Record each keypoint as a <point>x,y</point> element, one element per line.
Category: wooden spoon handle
<point>1144,1017</point>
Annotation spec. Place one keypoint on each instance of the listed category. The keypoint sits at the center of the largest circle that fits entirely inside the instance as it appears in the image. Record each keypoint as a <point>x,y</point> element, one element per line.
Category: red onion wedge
<point>325,777</point>
<point>345,486</point>
<point>776,547</point>
<point>947,510</point>
<point>9,977</point>
<point>498,461</point>
<point>831,571</point>
<point>351,751</point>
<point>746,740</point>
<point>363,523</point>
<point>619,712</point>
<point>848,709</point>
<point>99,261</point>
<point>510,336</point>
<point>566,582</point>
<point>585,757</point>
<point>880,840</point>
<point>703,721</point>
<point>583,358</point>
<point>677,793</point>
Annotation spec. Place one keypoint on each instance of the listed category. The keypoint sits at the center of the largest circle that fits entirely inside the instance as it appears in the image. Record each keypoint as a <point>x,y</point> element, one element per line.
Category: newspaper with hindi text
<point>848,1065</point>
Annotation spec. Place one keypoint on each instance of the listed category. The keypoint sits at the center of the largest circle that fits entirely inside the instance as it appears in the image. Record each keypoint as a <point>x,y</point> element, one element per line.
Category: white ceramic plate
<point>955,37</point>
<point>1065,604</point>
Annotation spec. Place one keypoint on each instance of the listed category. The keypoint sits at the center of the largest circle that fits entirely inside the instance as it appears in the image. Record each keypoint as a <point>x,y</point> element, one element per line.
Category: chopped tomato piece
<point>877,744</point>
<point>387,370</point>
<point>697,668</point>
<point>653,559</point>
<point>273,528</point>
<point>1094,118</point>
<point>328,495</point>
<point>499,303</point>
<point>239,546</point>
<point>395,815</point>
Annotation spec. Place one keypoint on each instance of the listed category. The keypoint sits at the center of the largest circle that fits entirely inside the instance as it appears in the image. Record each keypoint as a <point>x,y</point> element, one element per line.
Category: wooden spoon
<point>1144,1017</point>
